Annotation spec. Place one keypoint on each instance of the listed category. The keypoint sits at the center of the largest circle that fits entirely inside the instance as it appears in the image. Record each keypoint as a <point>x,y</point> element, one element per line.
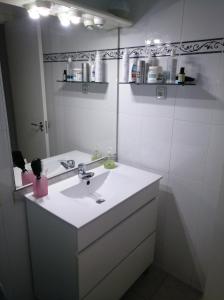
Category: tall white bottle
<point>69,69</point>
<point>172,67</point>
<point>98,68</point>
<point>125,66</point>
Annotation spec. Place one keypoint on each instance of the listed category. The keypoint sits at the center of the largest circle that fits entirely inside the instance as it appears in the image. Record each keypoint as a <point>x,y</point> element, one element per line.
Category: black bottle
<point>65,75</point>
<point>181,76</point>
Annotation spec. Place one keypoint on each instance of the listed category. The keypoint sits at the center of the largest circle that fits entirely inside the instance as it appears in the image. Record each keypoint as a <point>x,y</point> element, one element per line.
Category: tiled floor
<point>155,284</point>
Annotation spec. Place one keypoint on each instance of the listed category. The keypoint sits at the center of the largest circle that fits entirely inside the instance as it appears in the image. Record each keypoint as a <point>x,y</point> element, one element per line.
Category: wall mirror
<point>63,123</point>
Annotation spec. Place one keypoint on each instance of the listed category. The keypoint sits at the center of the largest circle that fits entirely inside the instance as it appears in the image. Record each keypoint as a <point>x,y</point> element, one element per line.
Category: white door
<point>24,47</point>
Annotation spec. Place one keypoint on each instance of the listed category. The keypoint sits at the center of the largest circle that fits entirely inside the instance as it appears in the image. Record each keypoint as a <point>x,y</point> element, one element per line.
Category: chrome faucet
<point>83,175</point>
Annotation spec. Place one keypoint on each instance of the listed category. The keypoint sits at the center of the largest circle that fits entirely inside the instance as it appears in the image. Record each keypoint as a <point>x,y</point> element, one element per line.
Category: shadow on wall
<point>171,252</point>
<point>95,90</point>
<point>188,92</point>
<point>214,286</point>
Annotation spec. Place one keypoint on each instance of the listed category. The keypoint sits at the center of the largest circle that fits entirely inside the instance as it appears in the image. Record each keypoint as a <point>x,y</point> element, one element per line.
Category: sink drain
<point>99,201</point>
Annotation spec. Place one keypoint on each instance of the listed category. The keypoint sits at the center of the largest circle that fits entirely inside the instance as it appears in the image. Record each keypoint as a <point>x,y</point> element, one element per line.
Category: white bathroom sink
<point>80,202</point>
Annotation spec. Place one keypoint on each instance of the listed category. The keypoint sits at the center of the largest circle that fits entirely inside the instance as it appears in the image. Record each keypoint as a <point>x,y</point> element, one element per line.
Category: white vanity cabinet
<point>97,261</point>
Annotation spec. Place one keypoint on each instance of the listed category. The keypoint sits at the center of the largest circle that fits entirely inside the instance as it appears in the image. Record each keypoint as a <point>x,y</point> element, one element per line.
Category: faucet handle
<point>82,168</point>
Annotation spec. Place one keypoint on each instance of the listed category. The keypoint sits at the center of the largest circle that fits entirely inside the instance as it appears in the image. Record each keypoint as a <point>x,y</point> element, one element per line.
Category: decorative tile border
<point>184,48</point>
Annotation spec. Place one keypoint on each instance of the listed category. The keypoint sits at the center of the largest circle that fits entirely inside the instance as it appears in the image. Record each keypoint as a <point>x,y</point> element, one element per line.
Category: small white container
<point>125,67</point>
<point>77,74</point>
<point>153,74</point>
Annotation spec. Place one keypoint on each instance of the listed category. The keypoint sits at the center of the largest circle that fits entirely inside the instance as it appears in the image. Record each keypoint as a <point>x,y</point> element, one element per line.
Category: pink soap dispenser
<point>40,183</point>
<point>27,177</point>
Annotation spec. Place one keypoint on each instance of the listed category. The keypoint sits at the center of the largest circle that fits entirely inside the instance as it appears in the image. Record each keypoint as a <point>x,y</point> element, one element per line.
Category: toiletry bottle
<point>160,76</point>
<point>109,162</point>
<point>133,70</point>
<point>125,66</point>
<point>40,183</point>
<point>92,71</point>
<point>181,76</point>
<point>18,160</point>
<point>171,67</point>
<point>140,71</point>
<point>98,68</point>
<point>96,154</point>
<point>154,60</point>
<point>69,69</point>
<point>85,72</point>
<point>65,75</point>
<point>153,74</point>
<point>148,63</point>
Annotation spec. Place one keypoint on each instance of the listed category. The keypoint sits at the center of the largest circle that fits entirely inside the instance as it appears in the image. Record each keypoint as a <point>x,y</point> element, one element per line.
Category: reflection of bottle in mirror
<point>98,68</point>
<point>65,75</point>
<point>40,183</point>
<point>27,177</point>
<point>18,161</point>
<point>69,69</point>
<point>92,71</point>
<point>96,154</point>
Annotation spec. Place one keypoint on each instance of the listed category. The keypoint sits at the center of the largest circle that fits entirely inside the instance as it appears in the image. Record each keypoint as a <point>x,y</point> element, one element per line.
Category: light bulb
<point>88,23</point>
<point>44,11</point>
<point>157,41</point>
<point>64,19</point>
<point>75,19</point>
<point>148,42</point>
<point>99,22</point>
<point>33,13</point>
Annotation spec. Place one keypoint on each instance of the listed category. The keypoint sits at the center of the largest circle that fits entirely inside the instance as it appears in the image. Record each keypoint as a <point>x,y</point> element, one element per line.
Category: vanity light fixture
<point>88,21</point>
<point>64,19</point>
<point>33,13</point>
<point>98,22</point>
<point>148,42</point>
<point>75,17</point>
<point>157,41</point>
<point>43,8</point>
<point>38,8</point>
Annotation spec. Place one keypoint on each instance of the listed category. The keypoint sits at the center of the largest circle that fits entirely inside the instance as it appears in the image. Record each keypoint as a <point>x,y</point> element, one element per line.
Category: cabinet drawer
<point>100,258</point>
<point>121,278</point>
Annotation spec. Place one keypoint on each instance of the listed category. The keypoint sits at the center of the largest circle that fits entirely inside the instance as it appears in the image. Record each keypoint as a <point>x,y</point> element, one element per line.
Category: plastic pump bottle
<point>40,183</point>
<point>69,69</point>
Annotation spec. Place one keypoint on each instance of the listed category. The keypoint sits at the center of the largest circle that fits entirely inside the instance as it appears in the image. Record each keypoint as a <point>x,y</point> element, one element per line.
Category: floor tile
<point>131,296</point>
<point>149,283</point>
<point>173,289</point>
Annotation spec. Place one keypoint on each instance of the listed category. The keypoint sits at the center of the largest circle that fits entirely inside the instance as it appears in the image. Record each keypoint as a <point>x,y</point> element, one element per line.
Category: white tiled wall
<point>180,137</point>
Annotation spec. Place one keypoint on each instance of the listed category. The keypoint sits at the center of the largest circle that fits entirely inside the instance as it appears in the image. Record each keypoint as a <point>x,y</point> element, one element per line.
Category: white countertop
<point>114,186</point>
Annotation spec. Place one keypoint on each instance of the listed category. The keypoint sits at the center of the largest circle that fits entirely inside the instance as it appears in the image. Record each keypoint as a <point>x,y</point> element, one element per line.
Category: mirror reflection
<point>60,88</point>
